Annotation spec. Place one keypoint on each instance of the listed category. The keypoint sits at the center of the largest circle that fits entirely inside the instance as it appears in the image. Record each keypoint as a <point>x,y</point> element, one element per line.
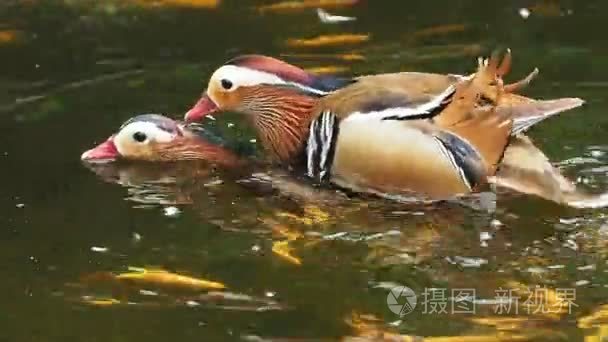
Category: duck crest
<point>315,84</point>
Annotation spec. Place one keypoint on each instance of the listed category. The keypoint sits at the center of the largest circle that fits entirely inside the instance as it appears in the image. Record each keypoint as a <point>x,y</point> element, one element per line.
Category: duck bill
<point>203,107</point>
<point>104,152</point>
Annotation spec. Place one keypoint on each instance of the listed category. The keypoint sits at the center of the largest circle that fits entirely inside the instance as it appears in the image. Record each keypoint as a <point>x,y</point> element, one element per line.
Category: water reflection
<point>156,183</point>
<point>295,268</point>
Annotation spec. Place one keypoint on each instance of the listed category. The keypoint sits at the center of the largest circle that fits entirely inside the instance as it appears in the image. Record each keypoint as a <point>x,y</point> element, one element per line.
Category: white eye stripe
<point>124,138</point>
<point>245,77</point>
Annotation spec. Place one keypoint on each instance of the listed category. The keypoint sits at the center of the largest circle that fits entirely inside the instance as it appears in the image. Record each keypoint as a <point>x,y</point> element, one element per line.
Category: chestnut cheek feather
<point>204,106</point>
<point>106,151</point>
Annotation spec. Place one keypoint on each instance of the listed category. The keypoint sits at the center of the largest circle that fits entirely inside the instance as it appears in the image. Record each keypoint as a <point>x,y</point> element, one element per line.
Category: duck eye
<point>139,137</point>
<point>226,84</point>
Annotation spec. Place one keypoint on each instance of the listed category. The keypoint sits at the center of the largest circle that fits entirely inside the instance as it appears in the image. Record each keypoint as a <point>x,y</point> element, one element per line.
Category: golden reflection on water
<point>290,6</point>
<point>327,69</point>
<point>180,3</point>
<point>348,57</point>
<point>9,36</point>
<point>328,40</point>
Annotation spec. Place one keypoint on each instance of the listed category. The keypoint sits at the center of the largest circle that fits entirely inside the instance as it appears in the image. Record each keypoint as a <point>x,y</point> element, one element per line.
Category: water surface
<point>73,71</point>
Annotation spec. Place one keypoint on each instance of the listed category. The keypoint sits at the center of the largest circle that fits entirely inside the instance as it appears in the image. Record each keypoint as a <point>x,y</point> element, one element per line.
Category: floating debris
<point>20,205</point>
<point>98,249</point>
<point>524,13</point>
<point>327,18</point>
<point>329,40</point>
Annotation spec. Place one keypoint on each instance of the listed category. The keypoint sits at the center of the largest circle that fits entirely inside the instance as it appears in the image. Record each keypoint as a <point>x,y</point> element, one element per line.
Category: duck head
<point>276,96</point>
<point>156,138</point>
<point>234,85</point>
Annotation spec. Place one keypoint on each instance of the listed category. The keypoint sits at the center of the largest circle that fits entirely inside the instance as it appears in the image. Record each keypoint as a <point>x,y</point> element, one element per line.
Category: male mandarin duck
<point>394,134</point>
<point>156,138</point>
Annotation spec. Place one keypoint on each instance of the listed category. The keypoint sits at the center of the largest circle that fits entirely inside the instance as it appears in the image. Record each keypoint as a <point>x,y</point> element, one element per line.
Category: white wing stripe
<point>311,148</point>
<point>404,112</point>
<point>320,141</point>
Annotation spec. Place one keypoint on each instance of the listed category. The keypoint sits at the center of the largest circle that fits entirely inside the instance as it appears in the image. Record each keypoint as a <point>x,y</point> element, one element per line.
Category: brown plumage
<point>156,138</point>
<point>283,125</point>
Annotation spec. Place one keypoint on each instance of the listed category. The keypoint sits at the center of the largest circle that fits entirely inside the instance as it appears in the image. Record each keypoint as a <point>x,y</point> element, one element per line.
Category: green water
<point>73,71</point>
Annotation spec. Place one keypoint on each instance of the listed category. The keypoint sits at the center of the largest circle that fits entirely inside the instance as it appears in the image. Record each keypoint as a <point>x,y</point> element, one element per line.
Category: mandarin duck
<point>396,134</point>
<point>156,138</point>
<point>166,146</point>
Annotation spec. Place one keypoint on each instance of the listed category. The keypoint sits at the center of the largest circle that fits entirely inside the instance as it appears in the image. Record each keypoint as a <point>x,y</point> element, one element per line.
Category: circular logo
<point>401,300</point>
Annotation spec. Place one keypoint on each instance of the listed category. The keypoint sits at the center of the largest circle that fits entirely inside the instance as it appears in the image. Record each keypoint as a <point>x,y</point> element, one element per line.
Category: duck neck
<point>281,118</point>
<point>192,147</point>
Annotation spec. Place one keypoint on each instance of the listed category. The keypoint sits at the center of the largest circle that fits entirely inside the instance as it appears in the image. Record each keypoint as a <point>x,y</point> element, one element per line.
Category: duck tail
<point>529,114</point>
<point>526,169</point>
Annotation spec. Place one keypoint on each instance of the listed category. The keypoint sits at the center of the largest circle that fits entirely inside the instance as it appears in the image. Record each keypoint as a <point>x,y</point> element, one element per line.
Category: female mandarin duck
<point>156,138</point>
<point>159,139</point>
<point>394,134</point>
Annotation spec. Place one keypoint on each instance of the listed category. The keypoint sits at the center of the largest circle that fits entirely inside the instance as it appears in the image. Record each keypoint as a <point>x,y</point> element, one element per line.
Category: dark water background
<point>72,71</point>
